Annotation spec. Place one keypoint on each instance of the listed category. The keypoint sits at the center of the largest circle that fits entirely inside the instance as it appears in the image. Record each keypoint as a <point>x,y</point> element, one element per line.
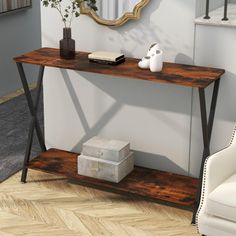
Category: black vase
<point>67,45</point>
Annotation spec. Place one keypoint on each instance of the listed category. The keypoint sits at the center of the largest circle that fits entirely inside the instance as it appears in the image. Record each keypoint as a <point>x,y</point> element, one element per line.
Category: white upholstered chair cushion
<point>221,202</point>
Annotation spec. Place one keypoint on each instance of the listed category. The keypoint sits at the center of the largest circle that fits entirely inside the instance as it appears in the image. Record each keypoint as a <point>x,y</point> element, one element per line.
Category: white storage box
<point>104,169</point>
<point>107,149</point>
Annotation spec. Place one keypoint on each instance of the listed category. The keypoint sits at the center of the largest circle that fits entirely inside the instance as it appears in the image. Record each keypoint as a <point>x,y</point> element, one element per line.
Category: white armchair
<point>216,214</point>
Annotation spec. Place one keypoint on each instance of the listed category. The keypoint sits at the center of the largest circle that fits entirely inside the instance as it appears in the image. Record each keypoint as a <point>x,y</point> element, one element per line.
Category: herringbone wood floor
<point>49,205</point>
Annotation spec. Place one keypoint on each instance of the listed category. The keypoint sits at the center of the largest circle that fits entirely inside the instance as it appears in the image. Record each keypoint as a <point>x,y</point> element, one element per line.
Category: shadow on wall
<point>132,93</point>
<point>159,161</point>
<point>182,58</point>
<point>227,86</point>
<point>138,31</point>
<point>146,31</point>
<point>225,117</point>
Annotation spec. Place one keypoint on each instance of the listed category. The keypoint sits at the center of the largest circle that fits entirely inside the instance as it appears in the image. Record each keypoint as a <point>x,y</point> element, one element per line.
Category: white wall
<point>20,33</point>
<point>215,46</point>
<point>155,118</point>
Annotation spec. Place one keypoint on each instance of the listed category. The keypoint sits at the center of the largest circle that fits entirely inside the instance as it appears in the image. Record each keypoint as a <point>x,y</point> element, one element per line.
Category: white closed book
<point>105,170</point>
<point>105,56</point>
<point>107,149</point>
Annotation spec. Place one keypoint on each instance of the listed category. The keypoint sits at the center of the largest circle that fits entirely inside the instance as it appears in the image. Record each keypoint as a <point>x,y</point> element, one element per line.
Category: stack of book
<point>110,58</point>
<point>106,159</point>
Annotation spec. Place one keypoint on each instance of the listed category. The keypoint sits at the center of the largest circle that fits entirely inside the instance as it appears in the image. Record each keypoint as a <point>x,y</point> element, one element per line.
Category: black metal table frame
<point>207,124</point>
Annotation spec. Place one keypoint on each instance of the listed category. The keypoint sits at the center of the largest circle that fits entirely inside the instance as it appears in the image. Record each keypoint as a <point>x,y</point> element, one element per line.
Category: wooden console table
<point>154,184</point>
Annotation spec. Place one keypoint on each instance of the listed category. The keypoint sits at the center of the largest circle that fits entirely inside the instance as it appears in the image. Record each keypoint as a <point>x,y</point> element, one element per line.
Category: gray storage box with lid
<point>104,169</point>
<point>107,149</point>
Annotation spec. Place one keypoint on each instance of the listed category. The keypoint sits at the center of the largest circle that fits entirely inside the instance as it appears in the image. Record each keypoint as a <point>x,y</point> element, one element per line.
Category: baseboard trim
<point>16,93</point>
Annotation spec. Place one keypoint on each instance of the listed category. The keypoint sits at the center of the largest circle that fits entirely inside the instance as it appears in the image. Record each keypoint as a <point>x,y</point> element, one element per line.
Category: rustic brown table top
<point>172,73</point>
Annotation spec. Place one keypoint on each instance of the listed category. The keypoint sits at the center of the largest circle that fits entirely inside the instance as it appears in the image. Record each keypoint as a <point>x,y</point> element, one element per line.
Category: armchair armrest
<point>219,167</point>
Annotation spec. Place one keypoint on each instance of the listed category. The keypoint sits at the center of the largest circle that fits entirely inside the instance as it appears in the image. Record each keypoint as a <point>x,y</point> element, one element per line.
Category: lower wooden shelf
<point>153,184</point>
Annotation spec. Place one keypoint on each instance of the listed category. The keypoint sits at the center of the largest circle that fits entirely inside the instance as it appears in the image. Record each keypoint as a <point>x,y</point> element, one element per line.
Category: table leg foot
<point>24,175</point>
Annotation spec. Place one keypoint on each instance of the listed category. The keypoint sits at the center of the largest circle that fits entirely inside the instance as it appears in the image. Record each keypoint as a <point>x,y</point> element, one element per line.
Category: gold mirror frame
<point>118,22</point>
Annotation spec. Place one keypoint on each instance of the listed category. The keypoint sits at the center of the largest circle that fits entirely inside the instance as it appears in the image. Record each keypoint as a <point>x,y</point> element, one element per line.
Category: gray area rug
<point>14,123</point>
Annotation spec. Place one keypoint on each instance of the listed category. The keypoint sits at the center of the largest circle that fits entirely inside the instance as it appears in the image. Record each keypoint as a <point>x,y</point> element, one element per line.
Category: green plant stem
<point>60,11</point>
<point>72,14</point>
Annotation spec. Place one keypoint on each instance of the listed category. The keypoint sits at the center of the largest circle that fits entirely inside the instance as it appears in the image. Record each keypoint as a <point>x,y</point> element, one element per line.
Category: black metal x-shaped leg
<point>206,132</point>
<point>34,124</point>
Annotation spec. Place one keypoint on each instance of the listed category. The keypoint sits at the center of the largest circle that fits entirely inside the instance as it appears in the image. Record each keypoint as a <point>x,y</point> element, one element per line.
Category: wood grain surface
<point>179,74</point>
<point>50,205</point>
<point>153,184</point>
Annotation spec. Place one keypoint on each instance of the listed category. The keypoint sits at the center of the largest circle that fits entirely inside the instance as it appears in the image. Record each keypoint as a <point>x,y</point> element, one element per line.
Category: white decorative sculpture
<point>156,61</point>
<point>153,60</point>
<point>144,63</point>
<point>153,49</point>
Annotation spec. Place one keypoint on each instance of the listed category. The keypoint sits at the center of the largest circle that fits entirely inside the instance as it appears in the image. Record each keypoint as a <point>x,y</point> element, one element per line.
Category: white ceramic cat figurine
<point>156,61</point>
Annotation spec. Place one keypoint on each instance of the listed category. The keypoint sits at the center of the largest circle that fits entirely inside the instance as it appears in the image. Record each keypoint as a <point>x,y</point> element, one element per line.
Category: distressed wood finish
<point>179,74</point>
<point>153,184</point>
